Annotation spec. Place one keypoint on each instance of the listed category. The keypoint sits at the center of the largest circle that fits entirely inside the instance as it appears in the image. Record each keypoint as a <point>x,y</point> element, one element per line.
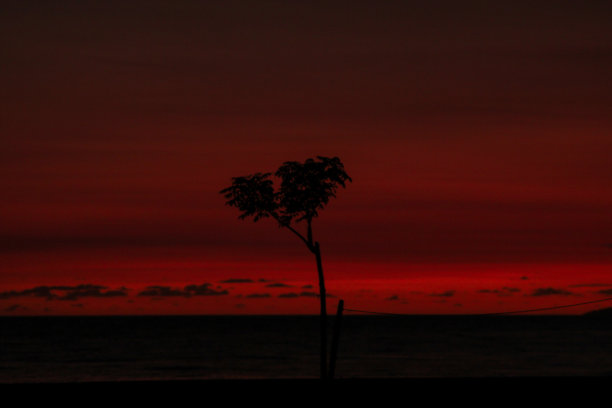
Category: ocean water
<point>68,349</point>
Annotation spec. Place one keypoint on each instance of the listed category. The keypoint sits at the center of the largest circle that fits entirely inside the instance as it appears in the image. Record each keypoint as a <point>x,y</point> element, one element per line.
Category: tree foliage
<point>305,189</point>
<point>253,195</point>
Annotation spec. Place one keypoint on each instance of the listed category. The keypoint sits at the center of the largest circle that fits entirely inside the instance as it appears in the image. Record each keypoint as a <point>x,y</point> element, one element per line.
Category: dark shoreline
<point>483,392</point>
<point>313,383</point>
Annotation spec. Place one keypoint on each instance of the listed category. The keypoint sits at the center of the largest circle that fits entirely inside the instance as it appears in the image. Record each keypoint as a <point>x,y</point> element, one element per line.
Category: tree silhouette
<point>305,189</point>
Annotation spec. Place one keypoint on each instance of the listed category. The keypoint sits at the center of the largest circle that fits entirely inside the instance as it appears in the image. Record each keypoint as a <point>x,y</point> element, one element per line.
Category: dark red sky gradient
<point>478,137</point>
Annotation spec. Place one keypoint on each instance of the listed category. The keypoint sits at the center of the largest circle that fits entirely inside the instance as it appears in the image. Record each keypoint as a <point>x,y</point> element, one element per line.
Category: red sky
<point>478,138</point>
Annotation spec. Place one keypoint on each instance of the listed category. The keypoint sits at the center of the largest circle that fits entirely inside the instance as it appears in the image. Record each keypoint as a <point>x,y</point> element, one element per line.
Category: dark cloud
<point>65,292</point>
<point>591,285</point>
<point>550,292</point>
<point>293,295</point>
<point>307,287</point>
<point>505,291</point>
<point>88,291</point>
<point>278,285</point>
<point>14,308</point>
<point>393,297</point>
<point>204,289</point>
<point>163,291</point>
<point>510,290</point>
<point>524,278</point>
<point>607,292</point>
<point>448,293</point>
<point>238,281</point>
<point>258,295</point>
<point>115,293</point>
<point>39,291</point>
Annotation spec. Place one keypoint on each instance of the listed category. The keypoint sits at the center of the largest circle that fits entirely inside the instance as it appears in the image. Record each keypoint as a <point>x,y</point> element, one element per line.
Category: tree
<point>305,189</point>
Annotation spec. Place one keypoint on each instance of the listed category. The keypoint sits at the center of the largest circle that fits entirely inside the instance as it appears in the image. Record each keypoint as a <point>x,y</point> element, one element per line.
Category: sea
<point>144,348</point>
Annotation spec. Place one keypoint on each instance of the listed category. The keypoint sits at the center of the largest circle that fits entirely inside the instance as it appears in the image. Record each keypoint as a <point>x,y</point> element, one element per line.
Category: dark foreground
<point>193,351</point>
<point>475,391</point>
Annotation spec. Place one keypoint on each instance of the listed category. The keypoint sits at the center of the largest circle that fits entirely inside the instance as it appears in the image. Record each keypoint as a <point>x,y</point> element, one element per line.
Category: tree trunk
<point>323,299</point>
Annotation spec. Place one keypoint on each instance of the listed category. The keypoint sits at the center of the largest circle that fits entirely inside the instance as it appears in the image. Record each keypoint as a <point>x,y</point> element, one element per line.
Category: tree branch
<point>310,241</point>
<point>290,228</point>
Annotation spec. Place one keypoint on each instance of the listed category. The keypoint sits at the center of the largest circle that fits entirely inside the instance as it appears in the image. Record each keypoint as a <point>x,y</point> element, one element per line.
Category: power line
<point>494,314</point>
<point>548,308</point>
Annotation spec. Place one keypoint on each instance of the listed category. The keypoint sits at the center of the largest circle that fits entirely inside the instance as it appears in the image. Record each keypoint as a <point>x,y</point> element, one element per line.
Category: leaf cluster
<point>305,189</point>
